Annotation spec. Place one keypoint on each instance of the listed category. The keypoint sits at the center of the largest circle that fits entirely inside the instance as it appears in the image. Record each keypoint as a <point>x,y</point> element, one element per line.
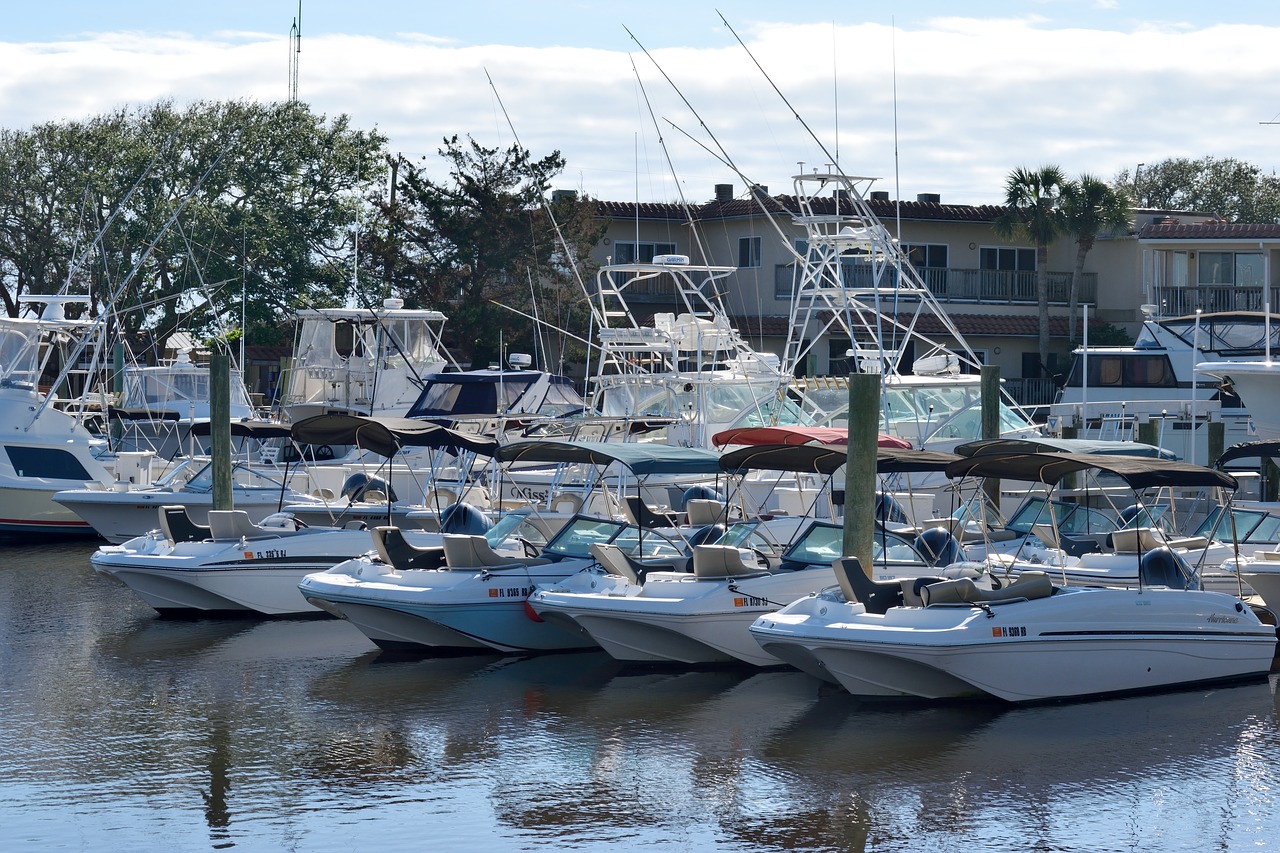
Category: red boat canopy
<point>797,435</point>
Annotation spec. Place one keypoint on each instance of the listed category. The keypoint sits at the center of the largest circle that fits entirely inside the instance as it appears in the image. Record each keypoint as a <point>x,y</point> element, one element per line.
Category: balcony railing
<point>1179,301</point>
<point>966,285</point>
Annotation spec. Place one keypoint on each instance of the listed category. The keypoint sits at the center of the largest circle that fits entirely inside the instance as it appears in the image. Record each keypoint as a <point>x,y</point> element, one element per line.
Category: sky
<point>657,100</point>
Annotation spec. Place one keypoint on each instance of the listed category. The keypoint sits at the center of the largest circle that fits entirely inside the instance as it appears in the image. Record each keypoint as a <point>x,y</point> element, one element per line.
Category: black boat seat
<point>398,552</point>
<point>643,515</point>
<point>875,596</point>
<point>177,526</point>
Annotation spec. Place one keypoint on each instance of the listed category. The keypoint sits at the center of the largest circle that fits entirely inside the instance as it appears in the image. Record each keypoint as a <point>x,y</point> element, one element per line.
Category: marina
<point>128,731</point>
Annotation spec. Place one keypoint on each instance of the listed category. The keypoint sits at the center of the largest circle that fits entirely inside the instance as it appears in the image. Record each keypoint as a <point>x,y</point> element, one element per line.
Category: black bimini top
<point>825,459</point>
<point>386,436</point>
<point>1049,468</point>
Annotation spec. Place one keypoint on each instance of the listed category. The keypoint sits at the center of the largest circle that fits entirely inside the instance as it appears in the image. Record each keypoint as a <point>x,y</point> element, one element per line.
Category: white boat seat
<point>722,561</point>
<point>1053,538</point>
<point>1028,585</point>
<point>234,524</point>
<point>470,552</point>
<point>177,526</point>
<point>566,502</point>
<point>1136,540</point>
<point>396,551</point>
<point>1267,556</point>
<point>704,511</point>
<point>615,561</point>
<point>1190,542</point>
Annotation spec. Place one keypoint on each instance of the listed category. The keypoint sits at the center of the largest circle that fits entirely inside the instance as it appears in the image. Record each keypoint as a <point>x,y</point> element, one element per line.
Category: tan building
<point>985,284</point>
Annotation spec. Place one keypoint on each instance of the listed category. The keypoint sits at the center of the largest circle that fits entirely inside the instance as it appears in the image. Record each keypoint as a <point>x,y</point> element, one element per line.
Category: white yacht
<point>43,449</point>
<point>365,361</point>
<point>160,404</point>
<point>1173,373</point>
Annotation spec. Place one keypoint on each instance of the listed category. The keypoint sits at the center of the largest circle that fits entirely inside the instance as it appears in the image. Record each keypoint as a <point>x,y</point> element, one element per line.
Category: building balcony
<point>965,285</point>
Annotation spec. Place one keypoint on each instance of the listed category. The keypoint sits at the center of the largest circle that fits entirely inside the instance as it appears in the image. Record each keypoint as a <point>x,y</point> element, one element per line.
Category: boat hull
<point>440,609</point>
<point>676,617</point>
<point>1076,643</point>
<point>252,576</point>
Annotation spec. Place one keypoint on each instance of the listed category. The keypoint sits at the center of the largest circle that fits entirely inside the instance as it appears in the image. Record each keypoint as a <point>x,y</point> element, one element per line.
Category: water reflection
<point>299,734</point>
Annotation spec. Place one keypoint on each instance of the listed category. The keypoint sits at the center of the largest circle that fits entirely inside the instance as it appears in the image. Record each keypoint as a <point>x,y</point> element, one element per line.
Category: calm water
<point>122,731</point>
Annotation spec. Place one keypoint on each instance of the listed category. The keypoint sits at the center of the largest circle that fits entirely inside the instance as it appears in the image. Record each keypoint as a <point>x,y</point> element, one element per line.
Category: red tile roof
<point>1210,231</point>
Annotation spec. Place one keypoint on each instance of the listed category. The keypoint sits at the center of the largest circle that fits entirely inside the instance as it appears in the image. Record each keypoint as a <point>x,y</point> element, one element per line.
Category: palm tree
<point>1089,208</point>
<point>1031,213</point>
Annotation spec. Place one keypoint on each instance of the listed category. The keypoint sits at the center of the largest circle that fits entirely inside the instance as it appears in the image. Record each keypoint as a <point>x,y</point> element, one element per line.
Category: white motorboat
<point>479,598</point>
<point>44,449</point>
<point>127,509</point>
<point>236,566</point>
<point>1029,641</point>
<point>702,617</point>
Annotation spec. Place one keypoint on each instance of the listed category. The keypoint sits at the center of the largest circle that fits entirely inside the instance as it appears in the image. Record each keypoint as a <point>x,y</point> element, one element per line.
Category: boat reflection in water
<point>296,734</point>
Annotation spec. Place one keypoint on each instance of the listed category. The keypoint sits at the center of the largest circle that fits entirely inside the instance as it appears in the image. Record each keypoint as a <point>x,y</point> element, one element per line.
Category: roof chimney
<point>563,195</point>
<point>929,198</point>
<point>724,193</point>
<point>879,195</point>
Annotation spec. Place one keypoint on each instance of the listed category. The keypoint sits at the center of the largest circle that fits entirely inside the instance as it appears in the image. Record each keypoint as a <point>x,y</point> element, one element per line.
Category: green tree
<point>1233,189</point>
<point>483,239</point>
<point>1032,213</point>
<point>265,197</point>
<point>1089,207</point>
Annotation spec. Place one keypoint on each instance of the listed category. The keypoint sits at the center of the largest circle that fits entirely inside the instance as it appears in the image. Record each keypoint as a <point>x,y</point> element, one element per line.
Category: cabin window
<point>47,463</point>
<point>749,251</point>
<point>924,256</point>
<point>1127,371</point>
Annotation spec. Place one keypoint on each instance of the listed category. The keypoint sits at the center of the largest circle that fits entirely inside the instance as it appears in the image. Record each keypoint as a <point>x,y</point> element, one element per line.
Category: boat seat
<point>398,552</point>
<point>467,553</point>
<point>177,526</point>
<point>235,524</point>
<point>643,515</point>
<point>566,502</point>
<point>1054,538</point>
<point>911,587</point>
<point>875,596</point>
<point>1028,585</point>
<point>1267,556</point>
<point>722,561</point>
<point>704,511</point>
<point>1190,542</point>
<point>615,561</point>
<point>1137,540</point>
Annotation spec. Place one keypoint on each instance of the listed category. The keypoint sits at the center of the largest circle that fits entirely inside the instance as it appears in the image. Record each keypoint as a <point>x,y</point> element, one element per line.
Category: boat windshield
<point>823,543</point>
<point>576,538</point>
<point>513,527</point>
<point>1251,526</point>
<point>1068,518</point>
<point>242,477</point>
<point>921,413</point>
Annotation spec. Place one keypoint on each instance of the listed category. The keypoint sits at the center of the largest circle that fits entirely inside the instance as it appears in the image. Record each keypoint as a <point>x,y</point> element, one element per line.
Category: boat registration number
<point>749,601</point>
<point>269,554</point>
<point>511,592</point>
<point>1011,631</point>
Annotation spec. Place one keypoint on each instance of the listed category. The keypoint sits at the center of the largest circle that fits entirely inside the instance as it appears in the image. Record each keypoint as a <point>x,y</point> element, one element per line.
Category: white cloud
<point>974,98</point>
